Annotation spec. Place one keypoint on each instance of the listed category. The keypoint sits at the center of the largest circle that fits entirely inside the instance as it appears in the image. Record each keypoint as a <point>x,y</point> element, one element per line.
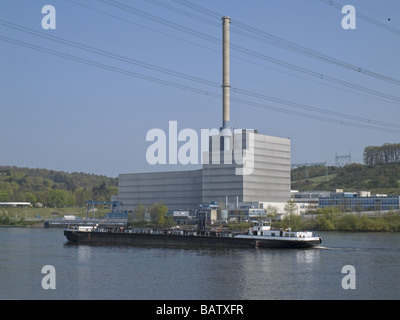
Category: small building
<point>360,201</point>
<point>15,204</point>
<point>181,216</point>
<point>307,201</point>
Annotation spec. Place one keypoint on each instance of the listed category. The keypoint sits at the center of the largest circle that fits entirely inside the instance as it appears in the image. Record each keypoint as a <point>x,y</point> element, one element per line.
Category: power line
<point>187,88</point>
<point>186,76</point>
<point>162,21</point>
<point>315,74</point>
<point>310,116</point>
<point>314,109</point>
<point>266,37</point>
<point>105,66</point>
<point>364,17</point>
<point>385,16</point>
<point>290,46</point>
<point>196,7</point>
<point>318,76</point>
<point>107,53</point>
<point>184,12</point>
<point>140,25</point>
<point>252,53</point>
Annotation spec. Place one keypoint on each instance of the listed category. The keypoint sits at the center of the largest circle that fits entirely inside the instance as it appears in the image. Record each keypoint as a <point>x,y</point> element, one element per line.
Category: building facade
<point>359,201</point>
<point>179,190</point>
<point>250,167</point>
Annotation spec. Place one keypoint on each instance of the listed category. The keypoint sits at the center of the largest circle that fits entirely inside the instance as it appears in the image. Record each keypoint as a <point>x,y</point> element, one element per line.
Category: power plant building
<point>259,172</point>
<point>240,166</point>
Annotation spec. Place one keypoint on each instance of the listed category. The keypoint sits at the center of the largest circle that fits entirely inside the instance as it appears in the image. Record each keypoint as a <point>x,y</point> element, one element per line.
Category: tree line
<point>387,153</point>
<point>332,219</point>
<point>54,188</point>
<point>153,215</point>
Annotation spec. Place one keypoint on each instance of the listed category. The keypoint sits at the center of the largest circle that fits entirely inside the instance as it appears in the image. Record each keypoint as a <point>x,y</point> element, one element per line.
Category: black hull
<point>282,243</point>
<point>179,240</point>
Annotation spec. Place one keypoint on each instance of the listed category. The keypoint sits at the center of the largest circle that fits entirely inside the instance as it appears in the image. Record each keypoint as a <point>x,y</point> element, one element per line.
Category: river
<point>128,272</point>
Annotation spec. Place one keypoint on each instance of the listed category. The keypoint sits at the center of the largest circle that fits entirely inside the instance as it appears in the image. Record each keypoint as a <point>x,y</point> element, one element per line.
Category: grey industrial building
<point>268,179</point>
<point>243,166</point>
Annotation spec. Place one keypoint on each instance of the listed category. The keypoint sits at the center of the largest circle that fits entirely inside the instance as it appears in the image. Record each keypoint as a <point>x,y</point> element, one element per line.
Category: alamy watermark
<point>49,20</point>
<point>227,147</point>
<point>349,20</point>
<point>49,280</point>
<point>349,280</point>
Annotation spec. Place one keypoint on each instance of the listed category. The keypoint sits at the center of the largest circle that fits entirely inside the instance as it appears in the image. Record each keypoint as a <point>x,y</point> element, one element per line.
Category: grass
<point>30,216</point>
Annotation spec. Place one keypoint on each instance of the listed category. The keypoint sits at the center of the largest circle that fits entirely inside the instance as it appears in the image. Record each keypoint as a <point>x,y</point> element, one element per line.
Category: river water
<point>127,272</point>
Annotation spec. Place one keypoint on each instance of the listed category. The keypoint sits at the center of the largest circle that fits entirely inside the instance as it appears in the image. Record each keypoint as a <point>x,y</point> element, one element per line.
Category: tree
<point>292,219</point>
<point>387,153</point>
<point>81,196</point>
<point>100,192</point>
<point>347,222</point>
<point>30,197</point>
<point>271,211</point>
<point>58,198</point>
<point>158,214</point>
<point>327,218</point>
<point>290,207</point>
<point>4,196</point>
<point>140,212</point>
<point>112,190</point>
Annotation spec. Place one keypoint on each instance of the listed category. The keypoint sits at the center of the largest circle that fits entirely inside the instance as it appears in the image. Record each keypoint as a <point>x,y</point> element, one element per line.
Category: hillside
<point>54,188</point>
<point>378,178</point>
<point>58,188</point>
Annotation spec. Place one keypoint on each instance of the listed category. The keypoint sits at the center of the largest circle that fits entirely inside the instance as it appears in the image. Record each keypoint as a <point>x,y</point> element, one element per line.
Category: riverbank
<point>332,220</point>
<point>35,217</point>
<point>25,224</point>
<point>329,219</point>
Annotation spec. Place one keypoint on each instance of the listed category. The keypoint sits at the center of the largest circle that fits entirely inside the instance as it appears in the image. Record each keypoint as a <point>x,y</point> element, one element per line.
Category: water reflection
<point>84,253</point>
<point>263,274</point>
<point>83,277</point>
<point>308,256</point>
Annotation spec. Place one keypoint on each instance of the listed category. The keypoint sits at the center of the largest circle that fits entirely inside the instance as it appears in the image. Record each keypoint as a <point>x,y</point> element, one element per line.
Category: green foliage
<point>54,188</point>
<point>293,221</point>
<point>331,219</point>
<point>241,226</point>
<point>379,178</point>
<point>7,220</point>
<point>387,153</point>
<point>290,207</point>
<point>30,215</point>
<point>138,216</point>
<point>327,218</point>
<point>140,212</point>
<point>158,214</point>
<point>347,222</point>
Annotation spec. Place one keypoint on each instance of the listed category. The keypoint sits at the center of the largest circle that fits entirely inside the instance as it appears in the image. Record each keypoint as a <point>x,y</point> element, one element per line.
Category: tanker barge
<point>259,236</point>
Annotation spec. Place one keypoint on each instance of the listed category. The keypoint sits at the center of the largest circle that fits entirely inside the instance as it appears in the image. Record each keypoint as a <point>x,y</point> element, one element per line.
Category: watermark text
<point>214,146</point>
<point>49,280</point>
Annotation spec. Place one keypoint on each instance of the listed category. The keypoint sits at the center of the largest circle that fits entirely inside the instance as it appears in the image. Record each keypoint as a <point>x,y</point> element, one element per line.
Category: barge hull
<point>157,239</point>
<point>193,241</point>
<point>281,243</point>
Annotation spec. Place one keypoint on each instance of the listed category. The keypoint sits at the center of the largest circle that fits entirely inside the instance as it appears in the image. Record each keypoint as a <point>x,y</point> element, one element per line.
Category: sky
<point>82,97</point>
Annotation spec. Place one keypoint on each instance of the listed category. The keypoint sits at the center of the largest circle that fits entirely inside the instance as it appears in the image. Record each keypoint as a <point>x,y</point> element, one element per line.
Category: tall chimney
<point>225,72</point>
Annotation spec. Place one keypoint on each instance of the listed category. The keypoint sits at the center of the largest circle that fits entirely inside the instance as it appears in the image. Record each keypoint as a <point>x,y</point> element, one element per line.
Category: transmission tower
<point>342,160</point>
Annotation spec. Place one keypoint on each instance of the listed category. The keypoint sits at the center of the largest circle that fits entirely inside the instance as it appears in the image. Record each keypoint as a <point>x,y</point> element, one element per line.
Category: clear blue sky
<point>73,108</point>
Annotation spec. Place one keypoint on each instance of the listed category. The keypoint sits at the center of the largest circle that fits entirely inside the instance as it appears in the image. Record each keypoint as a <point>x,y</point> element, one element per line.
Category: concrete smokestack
<point>225,72</point>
